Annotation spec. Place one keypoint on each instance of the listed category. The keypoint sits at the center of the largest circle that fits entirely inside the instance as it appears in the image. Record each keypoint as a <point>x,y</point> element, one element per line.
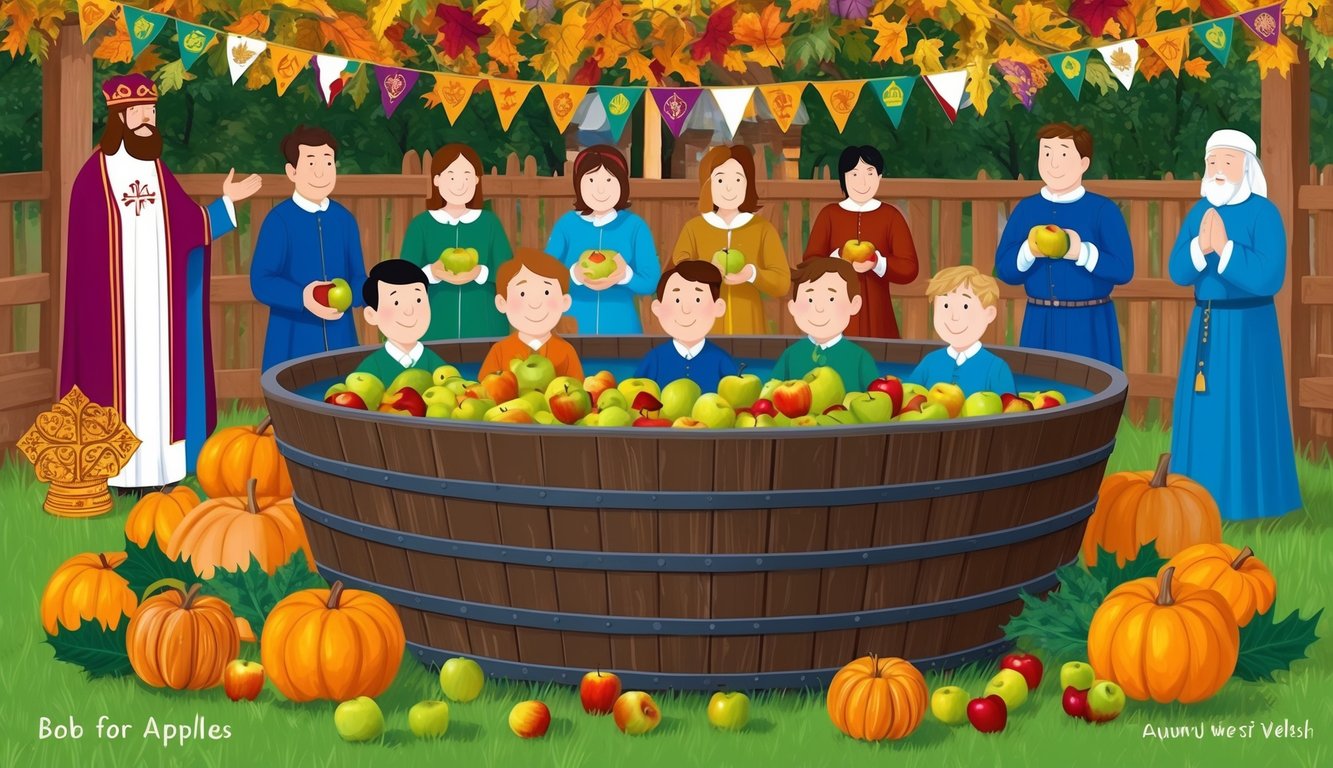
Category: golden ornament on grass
<point>76,447</point>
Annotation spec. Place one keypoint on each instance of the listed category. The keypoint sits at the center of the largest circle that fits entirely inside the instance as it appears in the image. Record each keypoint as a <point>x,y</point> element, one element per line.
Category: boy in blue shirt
<point>688,304</point>
<point>964,303</point>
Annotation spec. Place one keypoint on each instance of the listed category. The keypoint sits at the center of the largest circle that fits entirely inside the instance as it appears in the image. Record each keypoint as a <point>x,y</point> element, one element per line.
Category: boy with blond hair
<point>964,302</point>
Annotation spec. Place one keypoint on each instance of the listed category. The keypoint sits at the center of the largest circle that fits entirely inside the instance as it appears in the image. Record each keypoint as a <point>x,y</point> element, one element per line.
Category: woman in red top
<point>871,235</point>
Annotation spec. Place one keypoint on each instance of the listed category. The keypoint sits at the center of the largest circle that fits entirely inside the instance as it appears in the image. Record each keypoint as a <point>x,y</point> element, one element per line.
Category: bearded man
<point>1231,428</point>
<point>136,326</point>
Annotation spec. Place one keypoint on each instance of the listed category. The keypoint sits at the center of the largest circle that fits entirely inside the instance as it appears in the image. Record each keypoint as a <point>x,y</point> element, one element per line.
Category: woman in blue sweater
<point>621,262</point>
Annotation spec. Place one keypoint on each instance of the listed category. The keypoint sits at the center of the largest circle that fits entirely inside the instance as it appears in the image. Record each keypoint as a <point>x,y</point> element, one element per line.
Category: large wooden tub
<point>694,559</point>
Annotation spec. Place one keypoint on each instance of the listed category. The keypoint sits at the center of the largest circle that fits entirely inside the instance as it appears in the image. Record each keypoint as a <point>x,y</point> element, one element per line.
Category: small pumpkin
<point>159,514</point>
<point>1236,574</point>
<point>235,455</point>
<point>87,587</point>
<point>875,698</point>
<point>182,640</point>
<point>1134,508</point>
<point>224,533</point>
<point>334,644</point>
<point>1164,639</point>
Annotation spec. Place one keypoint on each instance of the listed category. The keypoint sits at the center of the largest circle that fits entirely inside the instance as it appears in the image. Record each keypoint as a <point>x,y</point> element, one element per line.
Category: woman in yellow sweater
<point>745,247</point>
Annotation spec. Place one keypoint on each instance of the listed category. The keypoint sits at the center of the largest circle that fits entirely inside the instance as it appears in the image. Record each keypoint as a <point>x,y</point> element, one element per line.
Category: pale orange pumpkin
<point>235,455</point>
<point>1236,574</point>
<point>1134,508</point>
<point>333,644</point>
<point>224,533</point>
<point>876,698</point>
<point>159,514</point>
<point>182,640</point>
<point>87,587</point>
<point>1164,640</point>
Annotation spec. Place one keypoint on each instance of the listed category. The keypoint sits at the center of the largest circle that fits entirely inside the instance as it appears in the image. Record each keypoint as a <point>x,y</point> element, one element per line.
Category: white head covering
<point>1254,173</point>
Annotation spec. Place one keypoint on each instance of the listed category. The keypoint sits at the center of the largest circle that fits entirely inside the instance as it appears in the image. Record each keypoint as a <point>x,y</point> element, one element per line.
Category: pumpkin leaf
<point>1145,564</point>
<point>147,565</point>
<point>100,652</point>
<point>251,593</point>
<point>1267,646</point>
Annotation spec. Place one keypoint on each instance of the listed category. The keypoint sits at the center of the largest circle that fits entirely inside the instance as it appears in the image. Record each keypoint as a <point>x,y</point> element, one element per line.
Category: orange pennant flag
<point>784,101</point>
<point>563,100</point>
<point>91,15</point>
<point>1172,46</point>
<point>509,96</point>
<point>287,64</point>
<point>840,97</point>
<point>452,91</point>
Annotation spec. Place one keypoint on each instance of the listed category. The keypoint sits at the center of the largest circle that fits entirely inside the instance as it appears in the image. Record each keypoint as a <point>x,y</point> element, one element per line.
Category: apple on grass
<point>857,250</point>
<point>949,705</point>
<point>891,386</point>
<point>472,409</point>
<point>729,711</point>
<point>1077,674</point>
<point>981,404</point>
<point>598,692</point>
<point>1051,240</point>
<point>826,388</point>
<point>428,719</point>
<point>335,294</point>
<point>948,395</point>
<point>1075,702</point>
<point>714,410</point>
<point>359,719</point>
<point>534,373</point>
<point>1009,685</point>
<point>741,389</point>
<point>679,397</point>
<point>988,714</point>
<point>459,260</point>
<point>461,679</point>
<point>529,719</point>
<point>1025,664</point>
<point>1106,701</point>
<point>243,680</point>
<point>793,398</point>
<point>636,713</point>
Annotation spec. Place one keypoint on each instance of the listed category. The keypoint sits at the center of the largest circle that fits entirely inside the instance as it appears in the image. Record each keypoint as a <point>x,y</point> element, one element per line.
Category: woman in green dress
<point>459,246</point>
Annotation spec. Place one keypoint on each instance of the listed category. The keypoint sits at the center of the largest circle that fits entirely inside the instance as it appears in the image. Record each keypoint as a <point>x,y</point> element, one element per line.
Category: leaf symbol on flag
<point>194,42</point>
<point>1216,37</point>
<point>394,85</point>
<point>241,53</point>
<point>1120,60</point>
<point>143,28</point>
<point>1265,24</point>
<point>1070,67</point>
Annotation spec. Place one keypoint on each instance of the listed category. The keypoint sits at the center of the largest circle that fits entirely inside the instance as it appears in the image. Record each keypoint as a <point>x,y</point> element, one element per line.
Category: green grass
<point>786,728</point>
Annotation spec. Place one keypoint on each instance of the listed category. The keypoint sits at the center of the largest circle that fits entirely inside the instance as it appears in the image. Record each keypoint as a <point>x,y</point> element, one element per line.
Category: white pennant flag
<point>1122,59</point>
<point>948,88</point>
<point>732,103</point>
<point>329,71</point>
<point>241,53</point>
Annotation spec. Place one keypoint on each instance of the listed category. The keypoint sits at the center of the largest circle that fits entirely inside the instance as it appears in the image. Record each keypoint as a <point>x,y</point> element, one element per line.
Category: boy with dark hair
<point>532,290</point>
<point>688,304</point>
<point>826,295</point>
<point>396,303</point>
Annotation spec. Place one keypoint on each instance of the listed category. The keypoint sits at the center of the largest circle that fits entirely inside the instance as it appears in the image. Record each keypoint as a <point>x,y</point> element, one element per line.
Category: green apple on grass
<point>729,711</point>
<point>949,705</point>
<point>1077,675</point>
<point>359,719</point>
<point>1106,701</point>
<point>1010,686</point>
<point>428,719</point>
<point>461,679</point>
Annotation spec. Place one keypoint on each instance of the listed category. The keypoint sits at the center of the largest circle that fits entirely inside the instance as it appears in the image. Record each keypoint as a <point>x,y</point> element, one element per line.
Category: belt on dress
<point>1205,328</point>
<point>1069,304</point>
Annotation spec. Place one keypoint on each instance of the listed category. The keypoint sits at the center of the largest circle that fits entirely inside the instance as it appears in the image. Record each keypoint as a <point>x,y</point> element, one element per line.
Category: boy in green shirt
<point>826,294</point>
<point>397,304</point>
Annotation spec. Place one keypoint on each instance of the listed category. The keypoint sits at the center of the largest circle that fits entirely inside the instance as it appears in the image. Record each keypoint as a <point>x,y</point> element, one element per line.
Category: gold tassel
<point>1200,384</point>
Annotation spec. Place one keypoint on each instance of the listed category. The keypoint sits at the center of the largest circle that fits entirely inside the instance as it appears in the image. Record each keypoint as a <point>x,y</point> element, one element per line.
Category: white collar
<point>599,221</point>
<point>831,343</point>
<point>689,353</point>
<point>965,355</point>
<point>1069,197</point>
<point>439,215</point>
<point>535,344</point>
<point>741,220</point>
<point>123,156</point>
<point>855,207</point>
<point>308,206</point>
<point>407,360</point>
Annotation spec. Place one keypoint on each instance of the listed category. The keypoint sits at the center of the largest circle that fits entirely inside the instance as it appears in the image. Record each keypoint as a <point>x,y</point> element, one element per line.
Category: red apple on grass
<point>988,714</point>
<point>529,719</point>
<point>598,691</point>
<point>636,713</point>
<point>243,680</point>
<point>1075,703</point>
<point>1025,664</point>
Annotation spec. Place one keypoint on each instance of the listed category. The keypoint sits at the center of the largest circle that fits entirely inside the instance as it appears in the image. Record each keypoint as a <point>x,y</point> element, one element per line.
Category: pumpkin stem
<point>1245,554</point>
<point>105,564</point>
<point>335,595</point>
<point>264,425</point>
<point>1163,469</point>
<point>250,495</point>
<point>190,596</point>
<point>1164,597</point>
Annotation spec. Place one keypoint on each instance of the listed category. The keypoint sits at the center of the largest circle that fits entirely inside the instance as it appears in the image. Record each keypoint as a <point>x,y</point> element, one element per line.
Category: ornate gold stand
<point>76,447</point>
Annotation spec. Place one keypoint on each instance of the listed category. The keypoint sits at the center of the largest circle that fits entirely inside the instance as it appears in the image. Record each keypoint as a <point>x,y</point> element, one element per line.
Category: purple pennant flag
<point>1019,77</point>
<point>675,104</point>
<point>1266,22</point>
<point>395,85</point>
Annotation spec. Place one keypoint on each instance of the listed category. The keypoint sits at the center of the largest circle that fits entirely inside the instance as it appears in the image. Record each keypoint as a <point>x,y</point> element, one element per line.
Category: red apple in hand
<point>1025,664</point>
<point>1075,703</point>
<point>988,714</point>
<point>243,680</point>
<point>598,692</point>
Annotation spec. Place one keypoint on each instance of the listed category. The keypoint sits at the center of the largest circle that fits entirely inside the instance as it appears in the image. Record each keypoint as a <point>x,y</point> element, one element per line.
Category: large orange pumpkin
<point>159,514</point>
<point>87,587</point>
<point>1164,640</point>
<point>182,640</point>
<point>224,533</point>
<point>1235,574</point>
<point>333,644</point>
<point>1134,508</point>
<point>876,698</point>
<point>235,455</point>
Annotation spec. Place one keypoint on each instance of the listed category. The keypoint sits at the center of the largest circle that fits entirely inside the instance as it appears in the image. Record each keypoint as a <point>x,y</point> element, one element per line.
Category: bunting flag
<point>509,95</point>
<point>453,92</point>
<point>1071,68</point>
<point>143,27</point>
<point>675,105</point>
<point>332,74</point>
<point>287,64</point>
<point>732,102</point>
<point>563,101</point>
<point>1172,47</point>
<point>948,89</point>
<point>91,15</point>
<point>784,101</point>
<point>1122,59</point>
<point>395,85</point>
<point>893,93</point>
<point>241,53</point>
<point>1019,78</point>
<point>840,96</point>
<point>193,41</point>
<point>619,103</point>
<point>1216,37</point>
<point>1265,22</point>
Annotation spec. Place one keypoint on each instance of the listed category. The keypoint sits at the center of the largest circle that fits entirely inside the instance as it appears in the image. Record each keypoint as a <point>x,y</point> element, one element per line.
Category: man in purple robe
<point>136,326</point>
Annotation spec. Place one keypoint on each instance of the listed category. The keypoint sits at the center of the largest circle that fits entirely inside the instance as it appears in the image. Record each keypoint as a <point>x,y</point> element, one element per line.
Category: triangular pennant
<point>509,95</point>
<point>893,93</point>
<point>784,101</point>
<point>840,96</point>
<point>241,53</point>
<point>732,102</point>
<point>1071,68</point>
<point>193,40</point>
<point>453,92</point>
<point>1265,22</point>
<point>1216,37</point>
<point>395,85</point>
<point>1172,47</point>
<point>331,74</point>
<point>143,27</point>
<point>563,101</point>
<point>91,15</point>
<point>619,103</point>
<point>675,106</point>
<point>287,64</point>
<point>1019,78</point>
<point>1122,59</point>
<point>948,88</point>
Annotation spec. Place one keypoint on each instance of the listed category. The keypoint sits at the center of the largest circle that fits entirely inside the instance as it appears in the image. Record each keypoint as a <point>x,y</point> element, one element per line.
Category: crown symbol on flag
<point>893,96</point>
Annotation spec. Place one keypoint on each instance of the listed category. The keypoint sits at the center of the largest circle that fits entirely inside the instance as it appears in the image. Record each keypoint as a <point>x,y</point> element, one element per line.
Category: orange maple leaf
<point>805,6</point>
<point>351,37</point>
<point>763,32</point>
<point>116,46</point>
<point>1150,64</point>
<point>603,18</point>
<point>890,39</point>
<point>22,16</point>
<point>503,52</point>
<point>1198,67</point>
<point>250,25</point>
<point>640,67</point>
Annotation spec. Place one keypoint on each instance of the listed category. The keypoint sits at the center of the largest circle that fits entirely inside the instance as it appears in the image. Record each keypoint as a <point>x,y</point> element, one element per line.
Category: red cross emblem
<point>138,196</point>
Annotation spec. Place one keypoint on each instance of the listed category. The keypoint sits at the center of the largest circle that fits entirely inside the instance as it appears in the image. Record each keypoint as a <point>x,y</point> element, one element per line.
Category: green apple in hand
<point>1010,686</point>
<point>1077,675</point>
<point>826,389</point>
<point>598,264</point>
<point>459,260</point>
<point>949,705</point>
<point>982,404</point>
<point>678,398</point>
<point>713,410</point>
<point>428,719</point>
<point>729,711</point>
<point>359,719</point>
<point>742,389</point>
<point>335,294</point>
<point>730,260</point>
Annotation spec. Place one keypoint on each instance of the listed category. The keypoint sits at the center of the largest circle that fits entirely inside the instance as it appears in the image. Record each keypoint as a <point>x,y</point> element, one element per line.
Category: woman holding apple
<point>459,246</point>
<point>869,235</point>
<point>744,247</point>
<point>609,250</point>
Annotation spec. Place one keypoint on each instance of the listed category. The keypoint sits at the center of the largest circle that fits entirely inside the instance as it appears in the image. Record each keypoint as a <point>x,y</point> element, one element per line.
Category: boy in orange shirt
<point>532,290</point>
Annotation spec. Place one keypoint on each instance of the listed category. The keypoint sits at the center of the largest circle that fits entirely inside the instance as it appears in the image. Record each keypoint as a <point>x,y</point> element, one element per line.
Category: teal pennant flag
<point>1216,37</point>
<point>193,40</point>
<point>143,27</point>
<point>619,104</point>
<point>1072,68</point>
<point>893,93</point>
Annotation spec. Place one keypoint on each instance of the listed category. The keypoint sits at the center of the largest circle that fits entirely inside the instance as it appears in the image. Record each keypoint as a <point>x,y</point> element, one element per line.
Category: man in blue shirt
<point>964,304</point>
<point>687,306</point>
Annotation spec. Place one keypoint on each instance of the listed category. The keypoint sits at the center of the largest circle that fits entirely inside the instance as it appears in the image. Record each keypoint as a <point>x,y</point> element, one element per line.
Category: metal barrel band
<point>660,681</point>
<point>636,625</point>
<point>664,501</point>
<point>676,562</point>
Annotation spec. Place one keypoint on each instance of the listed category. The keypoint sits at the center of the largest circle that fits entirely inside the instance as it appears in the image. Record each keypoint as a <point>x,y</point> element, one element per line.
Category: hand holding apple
<point>315,298</point>
<point>1075,249</point>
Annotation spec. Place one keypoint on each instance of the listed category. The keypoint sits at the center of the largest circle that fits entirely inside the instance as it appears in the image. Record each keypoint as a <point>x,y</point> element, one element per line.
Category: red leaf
<point>459,30</point>
<point>1215,9</point>
<point>588,74</point>
<point>717,37</point>
<point>1095,13</point>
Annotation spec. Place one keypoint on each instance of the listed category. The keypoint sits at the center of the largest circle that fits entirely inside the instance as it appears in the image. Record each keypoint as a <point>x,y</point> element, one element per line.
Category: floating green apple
<point>678,398</point>
<point>742,389</point>
<point>826,389</point>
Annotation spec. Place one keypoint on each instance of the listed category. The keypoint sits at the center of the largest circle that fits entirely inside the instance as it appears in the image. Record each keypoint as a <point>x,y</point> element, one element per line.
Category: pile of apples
<point>1096,701</point>
<point>531,393</point>
<point>1086,697</point>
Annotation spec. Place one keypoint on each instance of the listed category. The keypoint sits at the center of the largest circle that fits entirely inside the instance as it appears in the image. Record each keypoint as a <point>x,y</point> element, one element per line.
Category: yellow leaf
<point>603,18</point>
<point>926,56</point>
<point>116,47</point>
<point>503,52</point>
<point>500,14</point>
<point>980,84</point>
<point>804,6</point>
<point>1295,11</point>
<point>1112,29</point>
<point>351,37</point>
<point>1032,20</point>
<point>1275,58</point>
<point>890,39</point>
<point>1197,67</point>
<point>764,33</point>
<point>382,15</point>
<point>733,61</point>
<point>639,68</point>
<point>564,44</point>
